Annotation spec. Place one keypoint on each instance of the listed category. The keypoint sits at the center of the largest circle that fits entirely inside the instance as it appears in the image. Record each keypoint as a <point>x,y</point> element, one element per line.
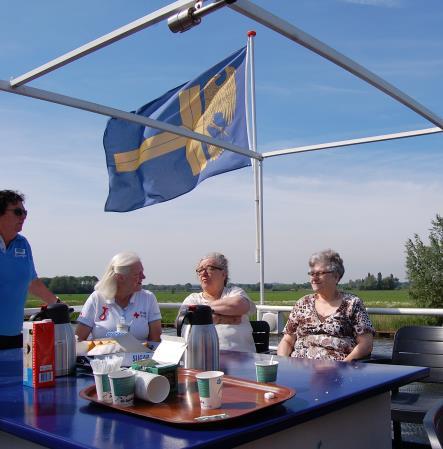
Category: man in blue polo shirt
<point>17,272</point>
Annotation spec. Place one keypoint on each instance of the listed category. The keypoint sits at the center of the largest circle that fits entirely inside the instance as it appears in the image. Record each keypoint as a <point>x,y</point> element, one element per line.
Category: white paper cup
<point>103,387</point>
<point>210,386</point>
<point>122,387</point>
<point>151,387</point>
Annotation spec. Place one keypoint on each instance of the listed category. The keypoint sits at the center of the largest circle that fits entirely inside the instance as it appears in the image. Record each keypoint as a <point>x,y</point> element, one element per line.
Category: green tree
<point>379,281</point>
<point>370,283</point>
<point>86,284</point>
<point>424,267</point>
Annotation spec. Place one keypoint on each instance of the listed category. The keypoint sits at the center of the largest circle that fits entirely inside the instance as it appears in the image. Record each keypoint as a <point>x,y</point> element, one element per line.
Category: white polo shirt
<point>102,315</point>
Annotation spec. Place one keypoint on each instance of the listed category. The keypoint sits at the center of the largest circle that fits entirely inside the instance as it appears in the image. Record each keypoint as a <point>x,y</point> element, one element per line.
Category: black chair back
<point>433,424</point>
<point>260,334</point>
<point>420,346</point>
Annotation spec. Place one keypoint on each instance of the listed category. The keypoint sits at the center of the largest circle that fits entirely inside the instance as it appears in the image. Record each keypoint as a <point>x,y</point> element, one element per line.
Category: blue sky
<point>363,201</point>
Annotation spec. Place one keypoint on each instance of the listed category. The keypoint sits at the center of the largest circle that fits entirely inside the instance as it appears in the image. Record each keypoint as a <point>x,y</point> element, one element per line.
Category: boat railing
<point>276,315</point>
<point>278,321</point>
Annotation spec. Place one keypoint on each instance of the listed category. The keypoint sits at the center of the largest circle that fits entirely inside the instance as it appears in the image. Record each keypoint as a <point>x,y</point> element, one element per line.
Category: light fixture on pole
<point>190,17</point>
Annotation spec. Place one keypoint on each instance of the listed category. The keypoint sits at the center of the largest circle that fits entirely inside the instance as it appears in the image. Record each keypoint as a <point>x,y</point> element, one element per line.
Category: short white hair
<point>121,263</point>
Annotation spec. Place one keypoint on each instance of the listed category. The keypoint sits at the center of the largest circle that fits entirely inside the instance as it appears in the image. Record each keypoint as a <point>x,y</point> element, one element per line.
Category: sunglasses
<point>18,211</point>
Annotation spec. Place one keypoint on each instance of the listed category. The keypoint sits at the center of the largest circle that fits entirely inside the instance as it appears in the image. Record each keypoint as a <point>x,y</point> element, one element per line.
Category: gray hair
<point>221,260</point>
<point>121,263</point>
<point>331,259</point>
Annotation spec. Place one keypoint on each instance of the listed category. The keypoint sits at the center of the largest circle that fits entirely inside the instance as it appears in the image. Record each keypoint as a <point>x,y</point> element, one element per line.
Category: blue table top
<point>58,418</point>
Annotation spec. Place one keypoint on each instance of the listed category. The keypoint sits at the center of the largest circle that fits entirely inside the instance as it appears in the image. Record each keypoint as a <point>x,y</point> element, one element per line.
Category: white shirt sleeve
<point>153,308</point>
<point>88,312</point>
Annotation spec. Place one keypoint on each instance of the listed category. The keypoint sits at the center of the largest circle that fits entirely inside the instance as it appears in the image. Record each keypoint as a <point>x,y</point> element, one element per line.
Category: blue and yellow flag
<point>147,166</point>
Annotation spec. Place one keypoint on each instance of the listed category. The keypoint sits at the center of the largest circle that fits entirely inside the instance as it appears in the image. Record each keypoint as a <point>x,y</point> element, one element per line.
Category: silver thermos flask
<point>195,325</point>
<point>64,338</point>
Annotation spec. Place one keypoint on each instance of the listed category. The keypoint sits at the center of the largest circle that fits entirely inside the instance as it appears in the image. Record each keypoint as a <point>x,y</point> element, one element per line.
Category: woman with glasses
<point>230,305</point>
<point>327,324</point>
<point>17,271</point>
<point>119,303</point>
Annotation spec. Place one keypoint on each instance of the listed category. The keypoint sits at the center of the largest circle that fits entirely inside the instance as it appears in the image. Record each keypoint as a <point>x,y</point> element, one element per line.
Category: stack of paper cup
<point>101,369</point>
<point>103,387</point>
<point>122,387</point>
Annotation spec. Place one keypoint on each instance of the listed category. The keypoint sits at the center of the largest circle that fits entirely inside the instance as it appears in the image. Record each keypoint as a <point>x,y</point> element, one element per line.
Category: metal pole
<point>262,240</point>
<point>345,143</point>
<point>250,88</point>
<point>103,41</point>
<point>53,97</point>
<point>258,181</point>
<point>260,15</point>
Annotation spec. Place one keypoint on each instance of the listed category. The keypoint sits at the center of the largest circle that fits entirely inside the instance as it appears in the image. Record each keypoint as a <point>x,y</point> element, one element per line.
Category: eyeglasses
<point>209,269</point>
<point>318,273</point>
<point>18,211</point>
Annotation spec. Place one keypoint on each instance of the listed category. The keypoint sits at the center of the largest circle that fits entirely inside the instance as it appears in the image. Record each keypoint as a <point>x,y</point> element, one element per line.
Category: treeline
<point>370,282</point>
<point>71,284</point>
<point>172,288</point>
<point>85,284</point>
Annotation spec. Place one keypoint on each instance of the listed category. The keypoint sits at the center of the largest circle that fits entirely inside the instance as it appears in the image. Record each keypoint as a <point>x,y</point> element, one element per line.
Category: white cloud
<point>368,222</point>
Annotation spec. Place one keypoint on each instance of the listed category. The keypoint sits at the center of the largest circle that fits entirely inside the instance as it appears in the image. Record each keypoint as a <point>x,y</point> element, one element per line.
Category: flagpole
<point>257,167</point>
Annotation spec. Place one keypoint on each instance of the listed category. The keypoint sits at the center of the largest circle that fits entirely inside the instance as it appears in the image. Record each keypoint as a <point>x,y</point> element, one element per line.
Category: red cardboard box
<point>38,354</point>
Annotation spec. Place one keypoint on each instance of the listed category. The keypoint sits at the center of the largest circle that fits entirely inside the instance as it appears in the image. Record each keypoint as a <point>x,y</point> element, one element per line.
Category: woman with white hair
<point>328,324</point>
<point>230,305</point>
<point>119,299</point>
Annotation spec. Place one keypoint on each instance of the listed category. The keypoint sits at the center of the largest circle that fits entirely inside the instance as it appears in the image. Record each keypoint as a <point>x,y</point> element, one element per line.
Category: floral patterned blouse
<point>330,337</point>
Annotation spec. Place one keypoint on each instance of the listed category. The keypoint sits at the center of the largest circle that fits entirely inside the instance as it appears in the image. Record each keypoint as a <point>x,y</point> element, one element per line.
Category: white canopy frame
<point>265,18</point>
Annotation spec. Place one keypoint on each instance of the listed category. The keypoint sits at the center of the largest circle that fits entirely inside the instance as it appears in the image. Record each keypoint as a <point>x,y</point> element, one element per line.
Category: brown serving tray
<point>240,397</point>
